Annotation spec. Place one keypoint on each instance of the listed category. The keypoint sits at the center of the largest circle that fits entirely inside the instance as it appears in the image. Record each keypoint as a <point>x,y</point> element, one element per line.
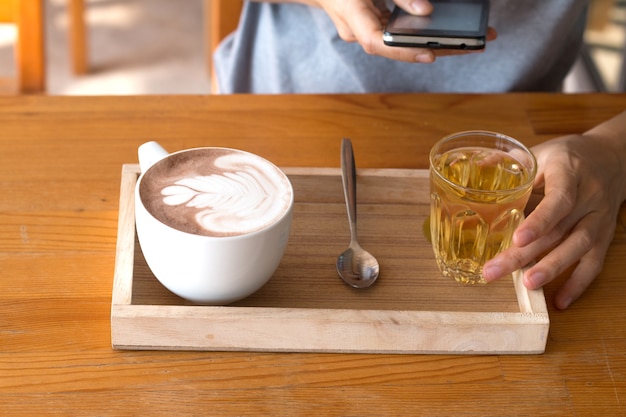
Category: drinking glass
<point>480,183</point>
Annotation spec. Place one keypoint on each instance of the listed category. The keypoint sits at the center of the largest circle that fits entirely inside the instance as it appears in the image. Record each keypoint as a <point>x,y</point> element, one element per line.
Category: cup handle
<point>149,154</point>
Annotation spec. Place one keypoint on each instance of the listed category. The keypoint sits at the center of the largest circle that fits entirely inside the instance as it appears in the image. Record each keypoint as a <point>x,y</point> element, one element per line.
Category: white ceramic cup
<point>213,269</point>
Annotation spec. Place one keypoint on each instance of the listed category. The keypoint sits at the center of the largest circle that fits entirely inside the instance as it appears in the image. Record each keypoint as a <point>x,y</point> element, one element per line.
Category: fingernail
<point>419,7</point>
<point>425,58</point>
<point>523,237</point>
<point>492,272</point>
<point>565,303</point>
<point>534,280</point>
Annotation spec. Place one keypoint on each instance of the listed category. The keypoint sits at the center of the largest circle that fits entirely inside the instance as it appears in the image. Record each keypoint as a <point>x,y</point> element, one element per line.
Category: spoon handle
<point>348,177</point>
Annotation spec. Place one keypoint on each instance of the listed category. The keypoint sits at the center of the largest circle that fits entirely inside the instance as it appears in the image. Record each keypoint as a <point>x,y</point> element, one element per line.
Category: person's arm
<point>363,21</point>
<point>582,179</point>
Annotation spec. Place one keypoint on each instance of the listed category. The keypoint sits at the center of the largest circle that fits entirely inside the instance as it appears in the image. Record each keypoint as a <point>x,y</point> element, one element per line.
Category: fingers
<point>363,22</point>
<point>560,197</point>
<point>368,32</point>
<point>520,255</point>
<point>587,245</point>
<point>492,35</point>
<point>516,257</point>
<point>587,270</point>
<point>574,247</point>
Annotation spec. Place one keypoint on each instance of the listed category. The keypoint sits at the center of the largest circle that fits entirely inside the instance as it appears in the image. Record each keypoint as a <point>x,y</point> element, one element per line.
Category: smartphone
<point>453,24</point>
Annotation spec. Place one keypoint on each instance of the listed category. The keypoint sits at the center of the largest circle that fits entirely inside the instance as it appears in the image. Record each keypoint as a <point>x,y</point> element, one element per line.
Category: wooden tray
<point>305,307</point>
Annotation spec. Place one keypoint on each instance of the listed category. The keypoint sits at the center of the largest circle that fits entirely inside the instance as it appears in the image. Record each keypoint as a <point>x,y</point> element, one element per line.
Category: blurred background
<point>159,47</point>
<point>133,47</point>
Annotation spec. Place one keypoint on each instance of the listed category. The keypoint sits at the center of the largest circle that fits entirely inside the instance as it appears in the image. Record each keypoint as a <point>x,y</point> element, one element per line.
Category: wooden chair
<point>28,16</point>
<point>221,18</point>
<point>78,36</point>
<point>599,16</point>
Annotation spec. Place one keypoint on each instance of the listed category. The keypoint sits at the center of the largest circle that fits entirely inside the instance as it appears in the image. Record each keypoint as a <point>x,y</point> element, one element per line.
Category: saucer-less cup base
<point>210,270</point>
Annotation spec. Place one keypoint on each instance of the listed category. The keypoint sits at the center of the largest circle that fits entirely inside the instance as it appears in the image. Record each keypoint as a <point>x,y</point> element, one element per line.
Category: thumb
<point>416,7</point>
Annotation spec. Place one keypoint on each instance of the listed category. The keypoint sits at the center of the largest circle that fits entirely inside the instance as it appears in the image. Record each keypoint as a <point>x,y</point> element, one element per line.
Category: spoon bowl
<point>357,267</point>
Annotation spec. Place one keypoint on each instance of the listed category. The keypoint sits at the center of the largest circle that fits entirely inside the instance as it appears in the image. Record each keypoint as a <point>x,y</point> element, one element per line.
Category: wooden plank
<point>124,252</point>
<point>325,330</point>
<point>411,310</point>
<point>377,389</point>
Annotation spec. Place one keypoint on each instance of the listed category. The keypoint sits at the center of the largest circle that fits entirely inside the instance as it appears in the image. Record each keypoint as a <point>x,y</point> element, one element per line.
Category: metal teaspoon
<point>355,266</point>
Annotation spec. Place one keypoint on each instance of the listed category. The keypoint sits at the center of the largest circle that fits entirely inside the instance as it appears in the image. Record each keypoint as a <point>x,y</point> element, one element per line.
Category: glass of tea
<point>480,182</point>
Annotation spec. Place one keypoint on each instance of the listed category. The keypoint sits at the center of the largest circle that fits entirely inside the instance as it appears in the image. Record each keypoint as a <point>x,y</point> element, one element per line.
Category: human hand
<point>363,21</point>
<point>582,181</point>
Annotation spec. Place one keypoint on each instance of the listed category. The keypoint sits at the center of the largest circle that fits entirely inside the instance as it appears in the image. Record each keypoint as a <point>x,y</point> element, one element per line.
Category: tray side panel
<point>125,249</point>
<point>304,330</point>
<point>530,301</point>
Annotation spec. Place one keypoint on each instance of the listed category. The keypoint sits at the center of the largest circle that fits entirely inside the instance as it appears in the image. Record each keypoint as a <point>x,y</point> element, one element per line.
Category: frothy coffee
<point>216,192</point>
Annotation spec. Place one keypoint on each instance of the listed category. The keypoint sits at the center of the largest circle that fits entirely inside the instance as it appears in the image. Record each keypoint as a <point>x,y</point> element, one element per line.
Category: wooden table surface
<point>60,168</point>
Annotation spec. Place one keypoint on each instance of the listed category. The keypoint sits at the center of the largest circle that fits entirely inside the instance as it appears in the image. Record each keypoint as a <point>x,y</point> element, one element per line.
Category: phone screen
<point>464,17</point>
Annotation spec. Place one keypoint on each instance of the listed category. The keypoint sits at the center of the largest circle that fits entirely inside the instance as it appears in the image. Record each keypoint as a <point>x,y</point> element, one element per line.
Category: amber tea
<point>480,183</point>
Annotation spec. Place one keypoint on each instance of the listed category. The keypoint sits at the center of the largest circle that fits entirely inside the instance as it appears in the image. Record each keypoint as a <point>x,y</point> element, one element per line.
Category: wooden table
<point>60,164</point>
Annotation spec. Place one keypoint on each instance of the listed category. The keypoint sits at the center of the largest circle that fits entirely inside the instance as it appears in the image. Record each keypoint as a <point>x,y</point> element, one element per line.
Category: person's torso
<point>291,48</point>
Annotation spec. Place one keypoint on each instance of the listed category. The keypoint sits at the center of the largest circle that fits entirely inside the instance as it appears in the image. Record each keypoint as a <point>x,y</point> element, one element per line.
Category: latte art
<point>219,193</point>
<point>234,202</point>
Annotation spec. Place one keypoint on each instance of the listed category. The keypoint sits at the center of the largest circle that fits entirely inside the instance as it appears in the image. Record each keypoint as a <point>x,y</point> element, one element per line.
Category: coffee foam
<point>216,192</point>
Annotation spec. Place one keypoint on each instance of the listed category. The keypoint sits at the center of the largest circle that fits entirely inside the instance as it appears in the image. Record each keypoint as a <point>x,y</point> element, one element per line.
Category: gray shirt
<point>292,48</point>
